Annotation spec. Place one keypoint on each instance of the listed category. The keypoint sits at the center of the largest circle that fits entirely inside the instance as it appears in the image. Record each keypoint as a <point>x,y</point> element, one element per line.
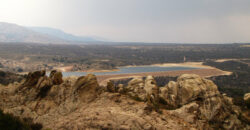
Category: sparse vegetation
<point>37,56</point>
<point>11,122</point>
<point>8,77</point>
<point>235,85</point>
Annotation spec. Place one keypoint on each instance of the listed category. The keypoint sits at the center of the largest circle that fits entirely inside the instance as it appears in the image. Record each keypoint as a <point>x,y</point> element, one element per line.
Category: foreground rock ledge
<point>191,102</point>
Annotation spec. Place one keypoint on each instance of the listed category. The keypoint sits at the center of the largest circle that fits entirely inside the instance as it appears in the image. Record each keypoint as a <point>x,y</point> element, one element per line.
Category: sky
<point>172,21</point>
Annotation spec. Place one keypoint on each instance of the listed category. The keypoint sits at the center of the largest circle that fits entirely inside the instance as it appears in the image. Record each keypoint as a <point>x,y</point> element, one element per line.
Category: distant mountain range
<point>16,33</point>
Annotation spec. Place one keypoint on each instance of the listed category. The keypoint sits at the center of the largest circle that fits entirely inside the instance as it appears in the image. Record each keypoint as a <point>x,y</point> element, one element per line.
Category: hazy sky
<point>205,21</point>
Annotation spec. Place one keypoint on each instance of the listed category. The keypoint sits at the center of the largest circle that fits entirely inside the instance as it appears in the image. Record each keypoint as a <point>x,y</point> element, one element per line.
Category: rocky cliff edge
<point>191,102</point>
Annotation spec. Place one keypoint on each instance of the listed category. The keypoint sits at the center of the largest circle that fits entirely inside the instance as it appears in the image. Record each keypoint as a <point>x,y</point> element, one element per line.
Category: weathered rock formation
<point>56,77</point>
<point>111,87</point>
<point>80,103</point>
<point>152,92</point>
<point>192,98</point>
<point>85,88</point>
<point>188,88</point>
<point>198,100</point>
<point>135,89</point>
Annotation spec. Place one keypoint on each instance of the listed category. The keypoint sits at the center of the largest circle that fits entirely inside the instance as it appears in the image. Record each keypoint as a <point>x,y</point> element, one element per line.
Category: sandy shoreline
<point>65,68</point>
<point>203,72</point>
<point>69,69</point>
<point>185,64</point>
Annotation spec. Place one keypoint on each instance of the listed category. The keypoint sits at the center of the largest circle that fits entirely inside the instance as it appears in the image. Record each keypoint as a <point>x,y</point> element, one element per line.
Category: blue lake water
<point>129,70</point>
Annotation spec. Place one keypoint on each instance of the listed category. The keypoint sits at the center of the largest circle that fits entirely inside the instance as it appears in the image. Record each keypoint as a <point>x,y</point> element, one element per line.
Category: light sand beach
<point>204,72</point>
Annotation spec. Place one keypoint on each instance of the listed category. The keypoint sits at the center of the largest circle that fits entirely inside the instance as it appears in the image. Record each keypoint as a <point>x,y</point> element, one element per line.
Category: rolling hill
<point>15,33</point>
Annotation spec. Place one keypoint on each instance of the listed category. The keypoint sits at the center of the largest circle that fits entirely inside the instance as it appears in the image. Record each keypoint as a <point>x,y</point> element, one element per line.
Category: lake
<point>130,70</point>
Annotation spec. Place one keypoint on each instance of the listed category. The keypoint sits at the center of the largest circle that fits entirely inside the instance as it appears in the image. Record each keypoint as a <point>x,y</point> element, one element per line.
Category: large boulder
<point>188,87</point>
<point>111,87</point>
<point>56,77</point>
<point>135,89</point>
<point>152,91</point>
<point>142,90</point>
<point>194,99</point>
<point>33,78</point>
<point>168,94</point>
<point>86,88</point>
<point>192,86</point>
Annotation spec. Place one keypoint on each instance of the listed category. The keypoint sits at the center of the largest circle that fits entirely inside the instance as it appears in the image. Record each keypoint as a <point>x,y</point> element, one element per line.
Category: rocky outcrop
<point>152,92</point>
<point>196,99</point>
<point>189,87</point>
<point>192,98</point>
<point>141,90</point>
<point>38,83</point>
<point>168,94</point>
<point>80,103</point>
<point>111,87</point>
<point>135,89</point>
<point>116,111</point>
<point>56,77</point>
<point>86,87</point>
<point>33,78</point>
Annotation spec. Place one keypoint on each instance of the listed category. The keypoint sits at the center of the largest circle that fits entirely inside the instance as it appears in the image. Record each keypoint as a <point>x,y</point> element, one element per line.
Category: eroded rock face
<point>78,106</point>
<point>152,91</point>
<point>77,103</point>
<point>86,88</point>
<point>33,78</point>
<point>188,87</point>
<point>40,94</point>
<point>169,94</point>
<point>142,90</point>
<point>135,89</point>
<point>111,87</point>
<point>194,98</point>
<point>56,77</point>
<point>43,85</point>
